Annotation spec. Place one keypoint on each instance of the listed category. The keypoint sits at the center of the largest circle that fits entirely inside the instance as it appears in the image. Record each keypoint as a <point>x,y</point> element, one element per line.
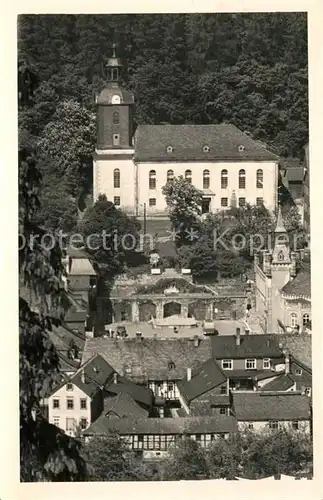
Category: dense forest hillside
<point>246,69</point>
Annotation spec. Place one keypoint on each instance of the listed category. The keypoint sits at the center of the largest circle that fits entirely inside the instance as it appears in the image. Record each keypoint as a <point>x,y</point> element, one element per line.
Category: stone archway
<point>198,310</point>
<point>147,309</point>
<point>172,308</point>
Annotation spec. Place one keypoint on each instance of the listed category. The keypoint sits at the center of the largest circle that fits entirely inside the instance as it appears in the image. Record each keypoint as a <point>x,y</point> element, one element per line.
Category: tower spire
<point>280,226</point>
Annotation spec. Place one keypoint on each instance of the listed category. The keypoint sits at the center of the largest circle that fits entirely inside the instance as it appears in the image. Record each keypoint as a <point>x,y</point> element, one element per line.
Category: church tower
<point>114,110</point>
<point>114,173</point>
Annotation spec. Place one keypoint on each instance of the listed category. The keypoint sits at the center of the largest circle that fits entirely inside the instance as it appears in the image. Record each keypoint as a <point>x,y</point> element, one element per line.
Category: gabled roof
<point>122,406</point>
<point>139,393</point>
<point>298,346</point>
<point>300,286</point>
<point>163,426</point>
<point>281,383</point>
<point>150,359</point>
<point>224,142</point>
<point>96,373</point>
<point>207,376</point>
<point>262,406</point>
<point>265,345</point>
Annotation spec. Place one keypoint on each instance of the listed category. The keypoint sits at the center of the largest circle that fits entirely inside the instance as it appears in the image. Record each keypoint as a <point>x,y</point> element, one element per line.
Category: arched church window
<point>116,178</point>
<point>260,178</point>
<point>170,175</point>
<point>281,256</point>
<point>293,320</point>
<point>242,179</point>
<point>115,118</point>
<point>206,179</point>
<point>188,176</point>
<point>224,179</point>
<point>152,179</point>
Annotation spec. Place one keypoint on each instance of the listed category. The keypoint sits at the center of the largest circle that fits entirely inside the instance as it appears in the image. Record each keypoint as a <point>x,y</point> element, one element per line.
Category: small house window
<point>152,179</point>
<point>116,178</point>
<point>188,176</point>
<point>308,391</point>
<point>306,319</point>
<point>56,403</point>
<point>224,202</point>
<point>69,387</point>
<point>295,425</point>
<point>83,403</point>
<point>206,149</point>
<point>170,175</point>
<point>227,364</point>
<point>70,404</point>
<point>56,421</point>
<point>293,320</point>
<point>115,118</point>
<point>250,364</point>
<point>298,371</point>
<point>206,179</point>
<point>242,202</point>
<point>259,202</point>
<point>117,201</point>
<point>273,425</point>
<point>242,179</point>
<point>266,363</point>
<point>224,179</point>
<point>223,389</point>
<point>83,423</point>
<point>152,202</point>
<point>70,424</point>
<point>260,178</point>
<point>171,365</point>
<point>223,411</point>
<point>170,386</point>
<point>250,425</point>
<point>116,139</point>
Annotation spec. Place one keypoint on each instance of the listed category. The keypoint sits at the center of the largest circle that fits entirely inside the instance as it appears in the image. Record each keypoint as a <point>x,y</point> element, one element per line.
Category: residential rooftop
<point>226,347</point>
<point>264,406</point>
<point>206,377</point>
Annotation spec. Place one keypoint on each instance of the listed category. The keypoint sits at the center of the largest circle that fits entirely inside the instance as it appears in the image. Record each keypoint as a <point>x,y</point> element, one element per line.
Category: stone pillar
<point>134,311</point>
<point>159,309</point>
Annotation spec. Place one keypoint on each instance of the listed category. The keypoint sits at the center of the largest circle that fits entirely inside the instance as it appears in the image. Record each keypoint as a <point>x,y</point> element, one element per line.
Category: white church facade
<point>229,167</point>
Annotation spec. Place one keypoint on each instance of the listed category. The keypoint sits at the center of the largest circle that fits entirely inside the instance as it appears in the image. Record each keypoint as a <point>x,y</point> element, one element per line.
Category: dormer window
<point>241,148</point>
<point>171,365</point>
<point>206,149</point>
<point>169,149</point>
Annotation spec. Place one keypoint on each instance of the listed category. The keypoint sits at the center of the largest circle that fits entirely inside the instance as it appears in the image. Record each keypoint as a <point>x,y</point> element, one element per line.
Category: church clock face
<point>115,99</point>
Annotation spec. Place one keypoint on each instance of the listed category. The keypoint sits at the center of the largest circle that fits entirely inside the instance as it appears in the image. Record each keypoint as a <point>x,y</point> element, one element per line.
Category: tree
<point>109,460</point>
<point>57,209</point>
<point>223,458</point>
<point>110,236</point>
<point>184,207</point>
<point>186,461</point>
<point>46,453</point>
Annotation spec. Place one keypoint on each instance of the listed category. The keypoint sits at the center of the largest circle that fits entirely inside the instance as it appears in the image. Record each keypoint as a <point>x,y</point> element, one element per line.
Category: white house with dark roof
<point>219,159</point>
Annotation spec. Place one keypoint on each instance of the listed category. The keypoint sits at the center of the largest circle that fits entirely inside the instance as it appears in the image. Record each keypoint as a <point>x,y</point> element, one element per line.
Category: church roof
<point>197,142</point>
<point>300,286</point>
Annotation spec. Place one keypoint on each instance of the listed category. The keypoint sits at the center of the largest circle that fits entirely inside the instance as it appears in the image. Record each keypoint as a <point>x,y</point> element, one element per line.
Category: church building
<point>283,286</point>
<point>131,167</point>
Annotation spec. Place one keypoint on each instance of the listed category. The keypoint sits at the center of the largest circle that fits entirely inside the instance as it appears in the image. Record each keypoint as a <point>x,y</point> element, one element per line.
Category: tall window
<point>242,202</point>
<point>69,404</point>
<point>266,363</point>
<point>117,201</point>
<point>293,320</point>
<point>115,118</point>
<point>224,202</point>
<point>152,179</point>
<point>260,178</point>
<point>188,176</point>
<point>242,179</point>
<point>170,175</point>
<point>306,318</point>
<point>224,179</point>
<point>206,179</point>
<point>56,403</point>
<point>83,404</point>
<point>116,178</point>
<point>70,424</point>
<point>259,202</point>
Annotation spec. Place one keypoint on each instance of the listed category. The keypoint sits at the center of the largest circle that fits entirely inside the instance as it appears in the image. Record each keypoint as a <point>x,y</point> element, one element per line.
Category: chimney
<point>238,338</point>
<point>189,374</point>
<point>196,341</point>
<point>138,336</point>
<point>82,377</point>
<point>115,378</point>
<point>287,363</point>
<point>293,258</point>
